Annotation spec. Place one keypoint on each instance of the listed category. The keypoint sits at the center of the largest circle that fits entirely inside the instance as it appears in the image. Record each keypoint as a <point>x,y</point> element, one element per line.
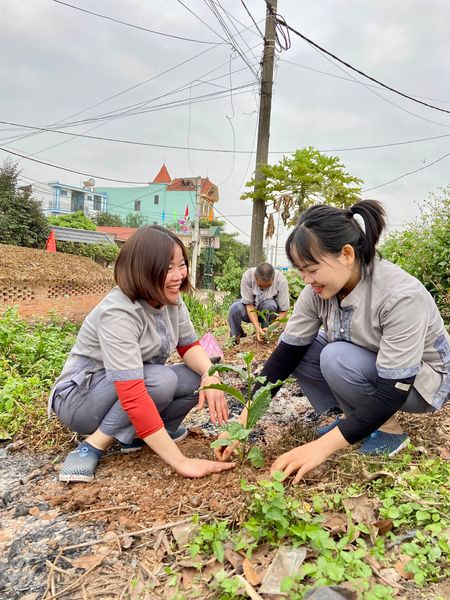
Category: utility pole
<point>262,147</point>
<point>196,233</point>
<point>274,263</point>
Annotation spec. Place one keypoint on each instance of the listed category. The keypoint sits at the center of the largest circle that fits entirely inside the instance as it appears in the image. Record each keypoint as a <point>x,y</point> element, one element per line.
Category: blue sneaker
<point>320,431</point>
<point>136,445</point>
<point>380,442</point>
<point>179,434</point>
<point>80,464</point>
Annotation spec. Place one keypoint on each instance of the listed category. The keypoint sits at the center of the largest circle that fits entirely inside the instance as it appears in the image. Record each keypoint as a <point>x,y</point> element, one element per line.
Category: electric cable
<point>90,12</point>
<point>283,23</point>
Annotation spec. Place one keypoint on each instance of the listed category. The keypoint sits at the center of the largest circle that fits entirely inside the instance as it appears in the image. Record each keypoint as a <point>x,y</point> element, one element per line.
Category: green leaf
<point>260,403</point>
<point>256,457</point>
<point>221,442</point>
<point>228,369</point>
<point>227,389</point>
<point>218,550</point>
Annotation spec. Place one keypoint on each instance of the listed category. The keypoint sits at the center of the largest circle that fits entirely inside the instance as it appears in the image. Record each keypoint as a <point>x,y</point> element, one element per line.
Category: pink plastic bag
<point>212,347</point>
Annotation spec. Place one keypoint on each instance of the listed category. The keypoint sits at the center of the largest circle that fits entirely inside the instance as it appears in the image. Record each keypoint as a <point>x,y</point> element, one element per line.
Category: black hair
<point>323,229</point>
<point>265,272</point>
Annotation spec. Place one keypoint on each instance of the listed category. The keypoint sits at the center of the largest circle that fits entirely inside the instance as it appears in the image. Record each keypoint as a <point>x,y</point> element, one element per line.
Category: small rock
<point>21,510</point>
<point>195,501</point>
<point>34,511</point>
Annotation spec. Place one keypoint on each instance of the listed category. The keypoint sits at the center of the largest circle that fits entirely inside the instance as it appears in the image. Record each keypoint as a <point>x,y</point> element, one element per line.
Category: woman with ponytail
<point>365,338</point>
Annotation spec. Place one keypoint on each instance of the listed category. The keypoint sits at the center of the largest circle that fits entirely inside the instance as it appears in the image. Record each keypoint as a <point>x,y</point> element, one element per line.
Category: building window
<point>63,192</point>
<point>156,200</point>
<point>97,203</point>
<point>137,205</point>
<point>77,201</point>
<point>155,222</point>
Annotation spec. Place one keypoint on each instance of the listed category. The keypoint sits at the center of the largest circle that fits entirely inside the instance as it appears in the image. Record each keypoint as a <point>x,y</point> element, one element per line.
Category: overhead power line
<point>375,187</point>
<point>48,164</point>
<point>282,22</point>
<point>177,37</point>
<point>219,150</point>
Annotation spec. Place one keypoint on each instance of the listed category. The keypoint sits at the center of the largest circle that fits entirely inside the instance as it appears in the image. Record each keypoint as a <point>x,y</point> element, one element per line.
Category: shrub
<point>230,281</point>
<point>423,249</point>
<point>103,254</point>
<point>76,220</point>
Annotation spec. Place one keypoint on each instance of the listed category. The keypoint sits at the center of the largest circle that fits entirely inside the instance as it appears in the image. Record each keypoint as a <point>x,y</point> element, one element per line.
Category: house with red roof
<point>163,201</point>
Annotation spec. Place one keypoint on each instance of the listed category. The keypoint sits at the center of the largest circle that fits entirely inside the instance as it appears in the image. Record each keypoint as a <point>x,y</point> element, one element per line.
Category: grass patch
<point>32,356</point>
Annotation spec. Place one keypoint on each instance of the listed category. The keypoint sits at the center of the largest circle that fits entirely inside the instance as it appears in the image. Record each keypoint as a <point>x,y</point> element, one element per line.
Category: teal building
<point>164,201</point>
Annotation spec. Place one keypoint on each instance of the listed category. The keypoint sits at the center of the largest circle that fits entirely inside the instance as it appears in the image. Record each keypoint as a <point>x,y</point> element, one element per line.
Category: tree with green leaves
<point>76,220</point>
<point>106,219</point>
<point>307,177</point>
<point>22,221</point>
<point>134,220</point>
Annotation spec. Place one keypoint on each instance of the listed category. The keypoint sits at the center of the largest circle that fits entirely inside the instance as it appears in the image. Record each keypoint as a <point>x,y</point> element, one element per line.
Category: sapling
<point>267,316</point>
<point>256,405</point>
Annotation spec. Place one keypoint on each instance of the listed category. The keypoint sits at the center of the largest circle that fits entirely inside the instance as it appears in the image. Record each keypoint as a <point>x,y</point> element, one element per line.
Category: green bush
<point>32,356</point>
<point>104,254</point>
<point>296,284</point>
<point>423,249</point>
<point>76,220</point>
<point>230,281</point>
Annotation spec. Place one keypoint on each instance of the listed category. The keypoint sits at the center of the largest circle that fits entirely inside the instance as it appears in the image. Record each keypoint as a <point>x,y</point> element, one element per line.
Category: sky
<point>61,65</point>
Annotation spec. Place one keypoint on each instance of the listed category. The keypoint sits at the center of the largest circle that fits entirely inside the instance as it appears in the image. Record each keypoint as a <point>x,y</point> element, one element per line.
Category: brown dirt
<point>139,492</point>
<point>33,267</point>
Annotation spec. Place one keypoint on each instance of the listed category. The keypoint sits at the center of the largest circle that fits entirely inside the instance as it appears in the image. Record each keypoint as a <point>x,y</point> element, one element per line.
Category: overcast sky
<point>57,61</point>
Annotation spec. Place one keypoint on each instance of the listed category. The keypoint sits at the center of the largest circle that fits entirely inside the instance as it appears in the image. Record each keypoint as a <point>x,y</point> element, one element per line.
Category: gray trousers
<point>238,313</point>
<point>343,375</point>
<point>173,389</point>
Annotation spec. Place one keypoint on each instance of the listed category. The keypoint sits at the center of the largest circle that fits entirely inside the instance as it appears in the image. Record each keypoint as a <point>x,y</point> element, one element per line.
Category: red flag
<point>211,214</point>
<point>50,244</point>
<point>186,212</point>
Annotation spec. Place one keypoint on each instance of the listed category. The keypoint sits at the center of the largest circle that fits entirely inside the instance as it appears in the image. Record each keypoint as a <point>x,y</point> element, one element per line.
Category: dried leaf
<point>362,509</point>
<point>444,453</point>
<point>235,559</point>
<point>87,561</point>
<point>286,563</point>
<point>249,573</point>
<point>383,525</point>
<point>335,523</point>
<point>126,541</point>
<point>210,570</point>
<point>390,576</point>
<point>400,567</point>
<point>187,578</point>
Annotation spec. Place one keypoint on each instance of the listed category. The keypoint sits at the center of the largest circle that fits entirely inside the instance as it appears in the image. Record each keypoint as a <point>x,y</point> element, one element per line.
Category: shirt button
<point>341,330</point>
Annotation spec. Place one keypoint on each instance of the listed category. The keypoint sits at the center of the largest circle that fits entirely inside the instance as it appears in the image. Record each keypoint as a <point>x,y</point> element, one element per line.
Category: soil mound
<point>37,267</point>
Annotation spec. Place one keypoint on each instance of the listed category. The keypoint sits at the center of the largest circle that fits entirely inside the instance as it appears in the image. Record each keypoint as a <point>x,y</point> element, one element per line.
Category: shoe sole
<point>76,478</point>
<point>390,454</point>
<point>131,450</point>
<point>400,448</point>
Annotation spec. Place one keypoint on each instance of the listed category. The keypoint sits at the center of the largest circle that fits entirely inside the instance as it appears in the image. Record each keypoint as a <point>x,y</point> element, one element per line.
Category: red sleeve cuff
<point>138,404</point>
<point>183,349</point>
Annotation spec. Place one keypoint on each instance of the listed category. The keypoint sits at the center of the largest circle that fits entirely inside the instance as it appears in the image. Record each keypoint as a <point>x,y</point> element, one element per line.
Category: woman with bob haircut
<point>365,337</point>
<point>115,384</point>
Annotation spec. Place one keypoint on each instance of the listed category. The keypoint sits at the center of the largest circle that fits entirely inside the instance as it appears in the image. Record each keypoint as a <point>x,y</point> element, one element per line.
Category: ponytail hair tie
<point>360,222</point>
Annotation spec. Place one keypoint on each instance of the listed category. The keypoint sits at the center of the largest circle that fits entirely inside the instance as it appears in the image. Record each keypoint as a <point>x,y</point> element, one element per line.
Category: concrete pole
<point>262,148</point>
<point>196,233</point>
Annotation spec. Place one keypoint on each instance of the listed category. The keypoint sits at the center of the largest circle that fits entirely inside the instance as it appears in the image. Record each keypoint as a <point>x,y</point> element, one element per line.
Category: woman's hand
<point>198,467</point>
<point>217,403</point>
<point>304,458</point>
<point>224,453</point>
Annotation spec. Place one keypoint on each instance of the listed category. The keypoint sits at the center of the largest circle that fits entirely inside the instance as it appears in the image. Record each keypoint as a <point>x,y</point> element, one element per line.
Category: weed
<point>32,356</point>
